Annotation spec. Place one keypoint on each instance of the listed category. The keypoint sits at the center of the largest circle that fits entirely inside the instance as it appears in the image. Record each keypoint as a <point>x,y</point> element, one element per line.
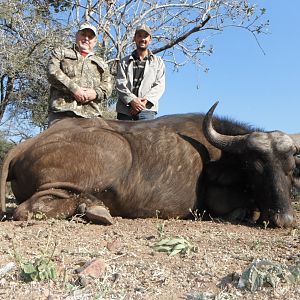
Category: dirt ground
<point>129,266</point>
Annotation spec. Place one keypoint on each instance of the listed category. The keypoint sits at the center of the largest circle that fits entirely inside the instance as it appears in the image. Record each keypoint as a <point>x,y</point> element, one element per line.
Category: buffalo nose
<point>284,220</point>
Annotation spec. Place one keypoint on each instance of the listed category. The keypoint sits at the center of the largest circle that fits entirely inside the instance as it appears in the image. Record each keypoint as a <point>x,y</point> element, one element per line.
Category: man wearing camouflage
<point>79,79</point>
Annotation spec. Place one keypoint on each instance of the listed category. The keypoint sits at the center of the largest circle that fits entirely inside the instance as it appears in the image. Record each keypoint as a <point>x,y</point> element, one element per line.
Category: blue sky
<point>262,90</point>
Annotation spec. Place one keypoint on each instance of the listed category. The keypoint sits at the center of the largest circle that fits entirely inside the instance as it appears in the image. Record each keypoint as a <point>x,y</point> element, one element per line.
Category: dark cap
<point>87,25</point>
<point>145,28</point>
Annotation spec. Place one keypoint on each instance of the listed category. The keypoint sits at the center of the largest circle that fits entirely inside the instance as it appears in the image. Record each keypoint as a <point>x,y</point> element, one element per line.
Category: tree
<point>5,146</point>
<point>181,29</point>
<point>28,30</point>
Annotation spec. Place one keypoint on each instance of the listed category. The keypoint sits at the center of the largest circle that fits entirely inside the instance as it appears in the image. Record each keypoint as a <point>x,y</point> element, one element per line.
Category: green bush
<point>5,146</point>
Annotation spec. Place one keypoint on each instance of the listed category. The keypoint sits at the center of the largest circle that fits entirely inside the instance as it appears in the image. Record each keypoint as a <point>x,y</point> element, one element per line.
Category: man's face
<point>142,40</point>
<point>86,40</point>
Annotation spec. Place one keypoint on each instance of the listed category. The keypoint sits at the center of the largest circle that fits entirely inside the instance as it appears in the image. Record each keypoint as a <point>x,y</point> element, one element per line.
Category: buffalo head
<point>267,162</point>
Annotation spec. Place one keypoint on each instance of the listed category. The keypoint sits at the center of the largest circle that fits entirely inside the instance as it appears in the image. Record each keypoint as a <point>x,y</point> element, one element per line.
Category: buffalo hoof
<point>281,220</point>
<point>284,220</point>
<point>98,214</point>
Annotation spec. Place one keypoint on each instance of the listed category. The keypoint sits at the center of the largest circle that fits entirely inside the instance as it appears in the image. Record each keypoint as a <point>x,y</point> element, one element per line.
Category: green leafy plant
<point>264,272</point>
<point>42,268</point>
<point>173,246</point>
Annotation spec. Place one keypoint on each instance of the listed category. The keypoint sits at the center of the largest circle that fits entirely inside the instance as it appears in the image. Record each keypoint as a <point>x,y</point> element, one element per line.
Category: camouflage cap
<point>87,25</point>
<point>145,28</point>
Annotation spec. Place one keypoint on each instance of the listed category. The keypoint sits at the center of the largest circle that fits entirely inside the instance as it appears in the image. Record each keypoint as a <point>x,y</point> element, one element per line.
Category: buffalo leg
<point>45,207</point>
<point>43,204</point>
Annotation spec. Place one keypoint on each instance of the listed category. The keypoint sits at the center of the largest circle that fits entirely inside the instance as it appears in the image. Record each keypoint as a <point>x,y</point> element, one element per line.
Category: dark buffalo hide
<point>168,167</point>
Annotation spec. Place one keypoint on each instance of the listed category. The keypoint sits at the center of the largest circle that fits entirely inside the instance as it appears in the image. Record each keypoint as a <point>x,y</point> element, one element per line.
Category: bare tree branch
<point>30,29</point>
<point>182,37</point>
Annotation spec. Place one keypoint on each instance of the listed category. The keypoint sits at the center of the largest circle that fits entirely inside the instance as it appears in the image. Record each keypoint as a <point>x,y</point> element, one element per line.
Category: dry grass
<point>134,270</point>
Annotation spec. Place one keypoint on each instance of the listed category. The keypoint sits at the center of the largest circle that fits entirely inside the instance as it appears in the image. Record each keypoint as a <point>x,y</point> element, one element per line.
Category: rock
<point>95,268</point>
<point>114,246</point>
<point>7,268</point>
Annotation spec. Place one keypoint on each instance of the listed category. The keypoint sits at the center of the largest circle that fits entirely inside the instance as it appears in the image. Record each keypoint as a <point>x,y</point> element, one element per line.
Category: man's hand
<point>80,95</point>
<point>90,93</point>
<point>137,105</point>
<point>85,95</point>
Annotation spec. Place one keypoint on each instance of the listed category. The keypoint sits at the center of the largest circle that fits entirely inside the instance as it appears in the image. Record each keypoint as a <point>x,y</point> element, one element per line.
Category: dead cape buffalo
<point>172,165</point>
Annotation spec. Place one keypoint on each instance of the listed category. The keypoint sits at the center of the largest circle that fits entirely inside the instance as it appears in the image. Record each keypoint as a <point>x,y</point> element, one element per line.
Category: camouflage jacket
<point>67,71</point>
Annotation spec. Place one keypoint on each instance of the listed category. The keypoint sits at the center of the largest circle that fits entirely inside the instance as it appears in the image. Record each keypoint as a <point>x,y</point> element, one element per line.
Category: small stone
<point>7,268</point>
<point>114,246</point>
<point>95,268</point>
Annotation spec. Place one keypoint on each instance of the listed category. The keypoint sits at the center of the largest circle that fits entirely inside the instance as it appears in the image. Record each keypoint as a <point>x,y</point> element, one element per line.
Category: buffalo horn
<point>233,144</point>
